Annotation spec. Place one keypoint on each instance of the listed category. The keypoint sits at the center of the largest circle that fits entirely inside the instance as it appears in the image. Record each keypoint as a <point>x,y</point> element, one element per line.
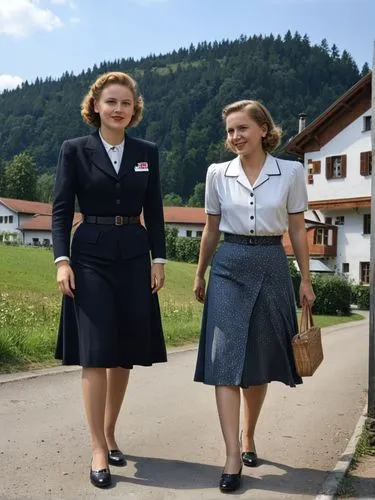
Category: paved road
<point>171,434</point>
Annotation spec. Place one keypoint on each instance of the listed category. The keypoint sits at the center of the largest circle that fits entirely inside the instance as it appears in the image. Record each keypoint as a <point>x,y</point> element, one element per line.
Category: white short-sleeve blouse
<point>260,209</point>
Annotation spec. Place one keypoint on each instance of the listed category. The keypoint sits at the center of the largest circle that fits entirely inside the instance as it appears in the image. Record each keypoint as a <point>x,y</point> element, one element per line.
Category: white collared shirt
<point>115,153</point>
<point>260,209</point>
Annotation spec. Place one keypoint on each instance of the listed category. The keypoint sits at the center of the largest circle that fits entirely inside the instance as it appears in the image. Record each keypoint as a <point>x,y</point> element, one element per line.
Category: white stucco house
<point>337,153</point>
<point>30,222</point>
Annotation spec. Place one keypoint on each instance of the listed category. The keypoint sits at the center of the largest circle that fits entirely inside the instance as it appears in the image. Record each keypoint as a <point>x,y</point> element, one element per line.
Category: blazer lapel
<point>99,155</point>
<point>129,157</point>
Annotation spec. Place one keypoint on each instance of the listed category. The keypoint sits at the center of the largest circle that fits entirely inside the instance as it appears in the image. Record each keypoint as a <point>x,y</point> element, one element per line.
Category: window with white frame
<point>339,220</point>
<point>367,224</point>
<point>345,267</point>
<point>365,272</point>
<point>366,123</point>
<point>323,237</point>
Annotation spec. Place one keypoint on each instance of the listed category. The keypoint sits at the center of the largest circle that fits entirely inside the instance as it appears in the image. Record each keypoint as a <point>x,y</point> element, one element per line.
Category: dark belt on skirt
<point>243,239</point>
<point>115,220</point>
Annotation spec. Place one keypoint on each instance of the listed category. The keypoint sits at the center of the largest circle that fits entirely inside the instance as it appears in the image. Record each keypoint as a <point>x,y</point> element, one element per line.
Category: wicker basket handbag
<point>307,345</point>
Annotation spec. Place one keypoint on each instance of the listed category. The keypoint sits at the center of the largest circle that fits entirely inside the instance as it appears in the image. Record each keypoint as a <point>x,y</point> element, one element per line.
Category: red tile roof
<point>27,207</point>
<point>176,215</point>
<point>184,215</point>
<point>44,222</point>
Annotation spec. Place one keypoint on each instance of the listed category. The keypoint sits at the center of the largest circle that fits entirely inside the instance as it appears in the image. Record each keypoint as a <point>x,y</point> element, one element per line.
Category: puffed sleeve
<point>212,202</point>
<point>297,195</point>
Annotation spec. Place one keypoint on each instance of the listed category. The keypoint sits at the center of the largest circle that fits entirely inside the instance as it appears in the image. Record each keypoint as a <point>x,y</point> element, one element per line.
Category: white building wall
<point>353,247</point>
<point>351,141</point>
<point>184,228</point>
<point>7,226</point>
<point>29,237</point>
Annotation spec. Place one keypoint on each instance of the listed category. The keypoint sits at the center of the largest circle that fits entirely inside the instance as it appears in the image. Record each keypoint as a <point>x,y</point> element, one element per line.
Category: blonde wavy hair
<point>88,112</point>
<point>260,114</point>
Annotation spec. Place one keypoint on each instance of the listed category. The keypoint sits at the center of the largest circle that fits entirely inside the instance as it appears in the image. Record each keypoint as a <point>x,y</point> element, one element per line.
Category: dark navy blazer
<point>85,171</point>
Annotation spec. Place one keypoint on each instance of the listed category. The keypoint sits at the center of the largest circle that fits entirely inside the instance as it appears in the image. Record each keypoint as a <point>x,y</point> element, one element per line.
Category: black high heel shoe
<point>249,458</point>
<point>117,458</point>
<point>100,478</point>
<point>230,482</point>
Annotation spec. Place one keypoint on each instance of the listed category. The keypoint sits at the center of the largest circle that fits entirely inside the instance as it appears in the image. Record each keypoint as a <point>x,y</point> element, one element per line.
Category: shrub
<point>361,296</point>
<point>333,294</point>
<point>187,249</point>
<point>171,235</point>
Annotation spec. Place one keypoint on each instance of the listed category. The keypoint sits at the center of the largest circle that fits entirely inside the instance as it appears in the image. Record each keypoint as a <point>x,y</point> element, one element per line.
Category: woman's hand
<point>157,277</point>
<point>199,288</point>
<point>65,278</point>
<point>306,292</point>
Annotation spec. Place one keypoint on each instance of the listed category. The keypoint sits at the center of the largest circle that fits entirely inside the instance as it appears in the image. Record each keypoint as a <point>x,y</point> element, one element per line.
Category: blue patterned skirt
<point>249,318</point>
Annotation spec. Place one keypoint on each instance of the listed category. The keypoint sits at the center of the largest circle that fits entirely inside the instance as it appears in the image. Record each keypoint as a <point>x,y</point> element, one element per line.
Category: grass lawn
<point>30,304</point>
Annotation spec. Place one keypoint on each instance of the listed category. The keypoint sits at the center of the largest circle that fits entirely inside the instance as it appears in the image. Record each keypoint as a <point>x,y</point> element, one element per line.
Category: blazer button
<point>118,202</point>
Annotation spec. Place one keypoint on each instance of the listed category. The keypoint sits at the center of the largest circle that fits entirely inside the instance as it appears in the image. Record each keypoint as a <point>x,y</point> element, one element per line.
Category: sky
<point>45,38</point>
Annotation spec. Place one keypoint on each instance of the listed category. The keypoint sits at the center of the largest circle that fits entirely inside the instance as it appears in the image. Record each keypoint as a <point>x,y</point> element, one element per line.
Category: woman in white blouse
<point>249,314</point>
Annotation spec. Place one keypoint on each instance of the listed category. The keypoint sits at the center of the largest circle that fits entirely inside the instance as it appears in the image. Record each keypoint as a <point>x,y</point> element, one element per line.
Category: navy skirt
<point>114,320</point>
<point>249,318</point>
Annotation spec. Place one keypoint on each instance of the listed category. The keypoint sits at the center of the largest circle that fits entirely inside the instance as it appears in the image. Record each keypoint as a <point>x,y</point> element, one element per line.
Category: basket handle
<point>306,318</point>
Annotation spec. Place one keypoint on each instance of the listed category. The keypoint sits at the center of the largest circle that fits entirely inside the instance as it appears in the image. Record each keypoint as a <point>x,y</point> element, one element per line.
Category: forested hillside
<point>184,93</point>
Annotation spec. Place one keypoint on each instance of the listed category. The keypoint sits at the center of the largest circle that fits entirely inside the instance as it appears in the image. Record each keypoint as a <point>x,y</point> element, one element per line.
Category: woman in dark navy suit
<point>110,317</point>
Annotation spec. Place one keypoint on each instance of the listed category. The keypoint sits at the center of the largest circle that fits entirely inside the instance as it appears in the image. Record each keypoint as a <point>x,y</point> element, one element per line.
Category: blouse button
<point>251,231</point>
<point>251,203</point>
<point>251,194</point>
<point>252,217</point>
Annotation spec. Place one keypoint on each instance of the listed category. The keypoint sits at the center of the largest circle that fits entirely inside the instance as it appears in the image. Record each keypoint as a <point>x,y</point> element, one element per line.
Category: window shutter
<point>363,164</point>
<point>310,179</point>
<point>343,165</point>
<point>329,167</point>
<point>316,167</point>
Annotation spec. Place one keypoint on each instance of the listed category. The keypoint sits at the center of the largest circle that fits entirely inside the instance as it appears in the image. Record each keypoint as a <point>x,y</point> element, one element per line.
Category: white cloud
<point>20,18</point>
<point>9,82</point>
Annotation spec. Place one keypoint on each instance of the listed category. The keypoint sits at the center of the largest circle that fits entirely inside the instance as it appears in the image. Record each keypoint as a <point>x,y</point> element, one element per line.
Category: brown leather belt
<point>115,220</point>
<point>243,239</point>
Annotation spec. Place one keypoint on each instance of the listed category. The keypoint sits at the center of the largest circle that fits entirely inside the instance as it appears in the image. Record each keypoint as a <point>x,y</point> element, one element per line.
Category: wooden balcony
<point>322,240</point>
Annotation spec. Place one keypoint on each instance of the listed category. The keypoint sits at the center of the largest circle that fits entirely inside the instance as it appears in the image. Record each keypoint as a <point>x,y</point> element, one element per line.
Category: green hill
<point>184,92</point>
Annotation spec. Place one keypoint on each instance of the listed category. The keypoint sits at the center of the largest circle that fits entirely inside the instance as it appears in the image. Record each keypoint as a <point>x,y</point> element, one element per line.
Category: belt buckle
<point>250,240</point>
<point>119,220</point>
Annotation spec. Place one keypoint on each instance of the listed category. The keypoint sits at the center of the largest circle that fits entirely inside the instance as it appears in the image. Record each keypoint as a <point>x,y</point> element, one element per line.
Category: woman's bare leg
<point>253,398</point>
<point>228,401</point>
<point>94,387</point>
<point>117,381</point>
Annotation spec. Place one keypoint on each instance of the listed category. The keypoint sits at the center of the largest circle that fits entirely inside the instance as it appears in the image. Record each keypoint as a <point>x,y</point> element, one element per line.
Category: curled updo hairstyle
<point>260,114</point>
<point>88,112</point>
